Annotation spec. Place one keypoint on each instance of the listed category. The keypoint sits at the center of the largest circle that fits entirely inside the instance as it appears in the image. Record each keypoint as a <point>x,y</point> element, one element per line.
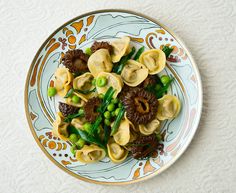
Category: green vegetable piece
<point>106,134</point>
<point>88,51</point>
<point>117,121</point>
<point>158,87</point>
<point>107,122</point>
<point>75,99</point>
<point>101,81</point>
<point>159,137</point>
<point>87,127</point>
<point>94,82</point>
<point>113,114</point>
<point>81,111</point>
<point>167,50</point>
<point>70,117</point>
<point>90,139</point>
<point>120,105</point>
<point>117,111</point>
<point>165,79</point>
<point>73,138</point>
<point>85,91</point>
<point>115,101</point>
<point>111,107</point>
<point>107,115</point>
<point>69,93</point>
<point>139,52</point>
<point>52,91</point>
<point>73,149</point>
<point>80,143</point>
<point>101,96</point>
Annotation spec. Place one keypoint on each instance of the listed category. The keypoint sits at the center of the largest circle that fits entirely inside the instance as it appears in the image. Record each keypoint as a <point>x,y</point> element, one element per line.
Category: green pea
<point>117,111</point>
<point>157,87</point>
<point>115,101</point>
<point>113,114</point>
<point>107,122</point>
<point>80,143</point>
<point>94,82</point>
<point>120,105</point>
<point>73,138</point>
<point>107,115</point>
<point>101,96</point>
<point>52,91</point>
<point>165,79</point>
<point>73,149</point>
<point>75,99</point>
<point>111,107</point>
<point>87,127</point>
<point>101,81</point>
<point>88,51</point>
<point>81,111</point>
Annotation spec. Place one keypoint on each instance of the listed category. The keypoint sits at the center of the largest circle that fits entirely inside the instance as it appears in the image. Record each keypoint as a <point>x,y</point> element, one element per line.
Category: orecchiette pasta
<point>134,73</point>
<point>60,128</point>
<point>81,103</point>
<point>116,152</point>
<point>90,153</point>
<point>168,108</point>
<point>113,80</point>
<point>62,81</point>
<point>154,60</point>
<point>120,48</point>
<point>100,61</point>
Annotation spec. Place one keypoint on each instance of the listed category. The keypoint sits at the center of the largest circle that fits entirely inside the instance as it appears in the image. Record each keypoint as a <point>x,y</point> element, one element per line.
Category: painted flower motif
<point>63,41</point>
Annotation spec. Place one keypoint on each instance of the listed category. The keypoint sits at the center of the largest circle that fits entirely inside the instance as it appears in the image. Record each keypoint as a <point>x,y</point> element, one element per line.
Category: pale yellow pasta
<point>168,108</point>
<point>83,82</point>
<point>60,128</point>
<point>120,48</point>
<point>150,128</point>
<point>63,78</point>
<point>116,153</point>
<point>100,61</point>
<point>113,80</point>
<point>154,60</point>
<point>78,122</point>
<point>90,153</point>
<point>122,136</point>
<point>81,103</point>
<point>134,73</point>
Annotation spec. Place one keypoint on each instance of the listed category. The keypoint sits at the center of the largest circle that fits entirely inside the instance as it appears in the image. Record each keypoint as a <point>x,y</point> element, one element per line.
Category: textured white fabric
<point>207,28</point>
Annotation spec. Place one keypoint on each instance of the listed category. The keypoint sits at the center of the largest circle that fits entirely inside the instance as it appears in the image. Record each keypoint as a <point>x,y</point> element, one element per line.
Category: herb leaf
<point>139,52</point>
<point>167,50</point>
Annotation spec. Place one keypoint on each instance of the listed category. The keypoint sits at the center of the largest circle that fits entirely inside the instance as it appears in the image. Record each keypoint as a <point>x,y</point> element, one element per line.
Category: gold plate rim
<point>178,39</point>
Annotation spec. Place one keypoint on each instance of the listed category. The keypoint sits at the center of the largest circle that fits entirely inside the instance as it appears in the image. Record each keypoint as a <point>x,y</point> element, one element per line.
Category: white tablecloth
<point>208,29</point>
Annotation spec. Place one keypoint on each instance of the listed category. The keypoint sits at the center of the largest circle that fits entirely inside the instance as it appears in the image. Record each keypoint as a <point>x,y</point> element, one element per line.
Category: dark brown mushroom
<point>76,61</point>
<point>101,45</point>
<point>66,109</point>
<point>90,109</point>
<point>140,105</point>
<point>149,81</point>
<point>144,146</point>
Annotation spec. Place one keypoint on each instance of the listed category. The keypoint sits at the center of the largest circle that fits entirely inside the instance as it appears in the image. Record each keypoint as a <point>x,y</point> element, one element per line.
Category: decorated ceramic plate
<point>141,32</point>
